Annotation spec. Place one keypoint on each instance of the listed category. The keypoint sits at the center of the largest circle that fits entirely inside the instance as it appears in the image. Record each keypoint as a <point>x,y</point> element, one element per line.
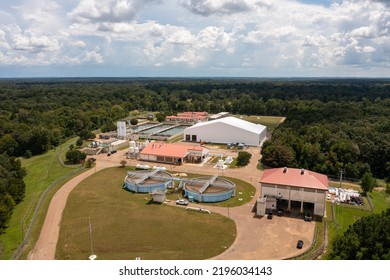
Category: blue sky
<point>248,38</point>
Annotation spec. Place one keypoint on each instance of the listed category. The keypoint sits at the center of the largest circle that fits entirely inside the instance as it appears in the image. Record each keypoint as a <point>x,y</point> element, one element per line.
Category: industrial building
<point>188,117</point>
<point>226,130</point>
<point>173,153</point>
<point>292,189</point>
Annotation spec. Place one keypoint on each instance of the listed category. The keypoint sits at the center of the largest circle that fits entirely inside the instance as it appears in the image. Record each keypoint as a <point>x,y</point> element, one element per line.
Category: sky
<point>195,38</point>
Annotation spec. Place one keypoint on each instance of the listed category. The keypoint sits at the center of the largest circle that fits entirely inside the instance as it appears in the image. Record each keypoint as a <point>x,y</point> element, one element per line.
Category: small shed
<point>158,195</point>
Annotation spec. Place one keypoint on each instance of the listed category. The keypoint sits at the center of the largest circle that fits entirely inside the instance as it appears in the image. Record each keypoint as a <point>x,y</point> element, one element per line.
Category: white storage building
<point>226,130</point>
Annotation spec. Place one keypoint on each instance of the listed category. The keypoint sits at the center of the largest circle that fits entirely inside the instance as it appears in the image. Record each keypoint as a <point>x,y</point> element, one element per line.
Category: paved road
<point>256,238</point>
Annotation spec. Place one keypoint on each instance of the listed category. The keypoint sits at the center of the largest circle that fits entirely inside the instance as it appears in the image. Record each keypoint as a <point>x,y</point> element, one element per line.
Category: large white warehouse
<point>226,130</point>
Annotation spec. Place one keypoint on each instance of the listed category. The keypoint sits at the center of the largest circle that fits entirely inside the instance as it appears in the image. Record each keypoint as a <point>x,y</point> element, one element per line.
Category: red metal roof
<point>295,177</point>
<point>169,150</point>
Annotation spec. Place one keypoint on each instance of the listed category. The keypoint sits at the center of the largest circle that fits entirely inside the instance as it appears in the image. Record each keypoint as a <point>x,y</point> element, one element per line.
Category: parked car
<point>269,217</point>
<point>308,216</point>
<point>182,202</point>
<point>93,159</point>
<point>280,212</point>
<point>113,151</point>
<point>299,244</point>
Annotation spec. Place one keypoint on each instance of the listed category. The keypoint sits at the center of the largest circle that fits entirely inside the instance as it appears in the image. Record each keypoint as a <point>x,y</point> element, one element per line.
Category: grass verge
<point>126,225</point>
<point>42,171</point>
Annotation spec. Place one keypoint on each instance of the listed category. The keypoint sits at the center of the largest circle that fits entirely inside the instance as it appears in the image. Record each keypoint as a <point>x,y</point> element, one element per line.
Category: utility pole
<point>341,171</point>
<point>92,256</point>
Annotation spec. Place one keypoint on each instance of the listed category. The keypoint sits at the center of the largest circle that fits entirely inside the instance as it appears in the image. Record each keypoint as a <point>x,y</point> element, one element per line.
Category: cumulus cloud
<point>251,37</point>
<point>108,10</point>
<point>219,7</point>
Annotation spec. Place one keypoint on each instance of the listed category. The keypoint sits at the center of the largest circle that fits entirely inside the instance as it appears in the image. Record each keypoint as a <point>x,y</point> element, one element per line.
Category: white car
<point>182,202</point>
<point>328,196</point>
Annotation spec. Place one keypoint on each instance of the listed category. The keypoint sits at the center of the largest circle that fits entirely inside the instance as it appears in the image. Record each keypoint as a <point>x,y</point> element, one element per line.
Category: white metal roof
<point>255,128</point>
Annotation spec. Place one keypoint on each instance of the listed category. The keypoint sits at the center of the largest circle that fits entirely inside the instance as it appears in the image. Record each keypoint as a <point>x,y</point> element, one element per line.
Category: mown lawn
<point>380,200</point>
<point>126,225</point>
<point>270,122</point>
<point>42,171</point>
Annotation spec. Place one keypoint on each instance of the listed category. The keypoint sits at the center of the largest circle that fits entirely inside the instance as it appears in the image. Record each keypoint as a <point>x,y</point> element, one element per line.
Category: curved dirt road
<point>256,238</point>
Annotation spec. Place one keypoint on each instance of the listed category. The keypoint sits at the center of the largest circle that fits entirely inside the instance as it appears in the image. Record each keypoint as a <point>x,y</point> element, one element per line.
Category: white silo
<point>121,129</point>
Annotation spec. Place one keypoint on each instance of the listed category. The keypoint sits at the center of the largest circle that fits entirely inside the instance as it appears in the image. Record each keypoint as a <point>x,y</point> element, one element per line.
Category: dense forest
<point>331,123</point>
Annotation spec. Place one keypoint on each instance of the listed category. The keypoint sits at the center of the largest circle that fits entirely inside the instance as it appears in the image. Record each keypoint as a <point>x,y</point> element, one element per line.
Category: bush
<point>79,142</point>
<point>75,156</point>
<point>134,121</point>
<point>243,158</point>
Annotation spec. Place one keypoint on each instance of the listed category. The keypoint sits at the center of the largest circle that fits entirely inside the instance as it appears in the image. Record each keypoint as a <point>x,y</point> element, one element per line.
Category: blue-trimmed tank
<point>209,189</point>
<point>146,181</point>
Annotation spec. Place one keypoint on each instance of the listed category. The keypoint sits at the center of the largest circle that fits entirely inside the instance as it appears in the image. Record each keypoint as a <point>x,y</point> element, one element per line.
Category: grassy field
<point>42,171</point>
<point>269,121</point>
<point>126,225</point>
<point>380,200</point>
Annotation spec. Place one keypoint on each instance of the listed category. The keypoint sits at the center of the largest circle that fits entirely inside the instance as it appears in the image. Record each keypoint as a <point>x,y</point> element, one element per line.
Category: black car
<point>269,217</point>
<point>299,244</point>
<point>308,216</point>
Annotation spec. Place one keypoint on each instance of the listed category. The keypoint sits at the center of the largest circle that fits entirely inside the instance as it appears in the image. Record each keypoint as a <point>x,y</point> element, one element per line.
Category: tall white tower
<point>121,129</point>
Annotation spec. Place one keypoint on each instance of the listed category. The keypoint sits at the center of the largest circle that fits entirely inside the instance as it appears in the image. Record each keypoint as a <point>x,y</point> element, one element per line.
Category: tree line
<point>331,123</point>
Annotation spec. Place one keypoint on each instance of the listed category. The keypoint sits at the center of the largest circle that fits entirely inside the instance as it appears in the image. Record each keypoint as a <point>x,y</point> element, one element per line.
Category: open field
<point>126,225</point>
<point>380,200</point>
<point>42,171</point>
<point>270,122</point>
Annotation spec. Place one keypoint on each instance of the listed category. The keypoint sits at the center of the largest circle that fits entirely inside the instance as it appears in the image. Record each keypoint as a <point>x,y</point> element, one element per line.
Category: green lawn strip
<point>380,200</point>
<point>126,225</point>
<point>270,122</point>
<point>41,215</point>
<point>41,172</point>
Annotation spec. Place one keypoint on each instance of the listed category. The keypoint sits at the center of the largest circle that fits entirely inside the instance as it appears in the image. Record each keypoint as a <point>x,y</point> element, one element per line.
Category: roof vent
<point>302,171</point>
<point>285,170</point>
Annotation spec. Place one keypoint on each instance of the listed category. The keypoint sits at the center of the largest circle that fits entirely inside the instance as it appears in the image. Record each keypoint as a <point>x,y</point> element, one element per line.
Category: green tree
<point>75,156</point>
<point>160,117</point>
<point>243,158</point>
<point>79,142</point>
<point>134,121</point>
<point>366,239</point>
<point>368,182</point>
<point>278,156</point>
